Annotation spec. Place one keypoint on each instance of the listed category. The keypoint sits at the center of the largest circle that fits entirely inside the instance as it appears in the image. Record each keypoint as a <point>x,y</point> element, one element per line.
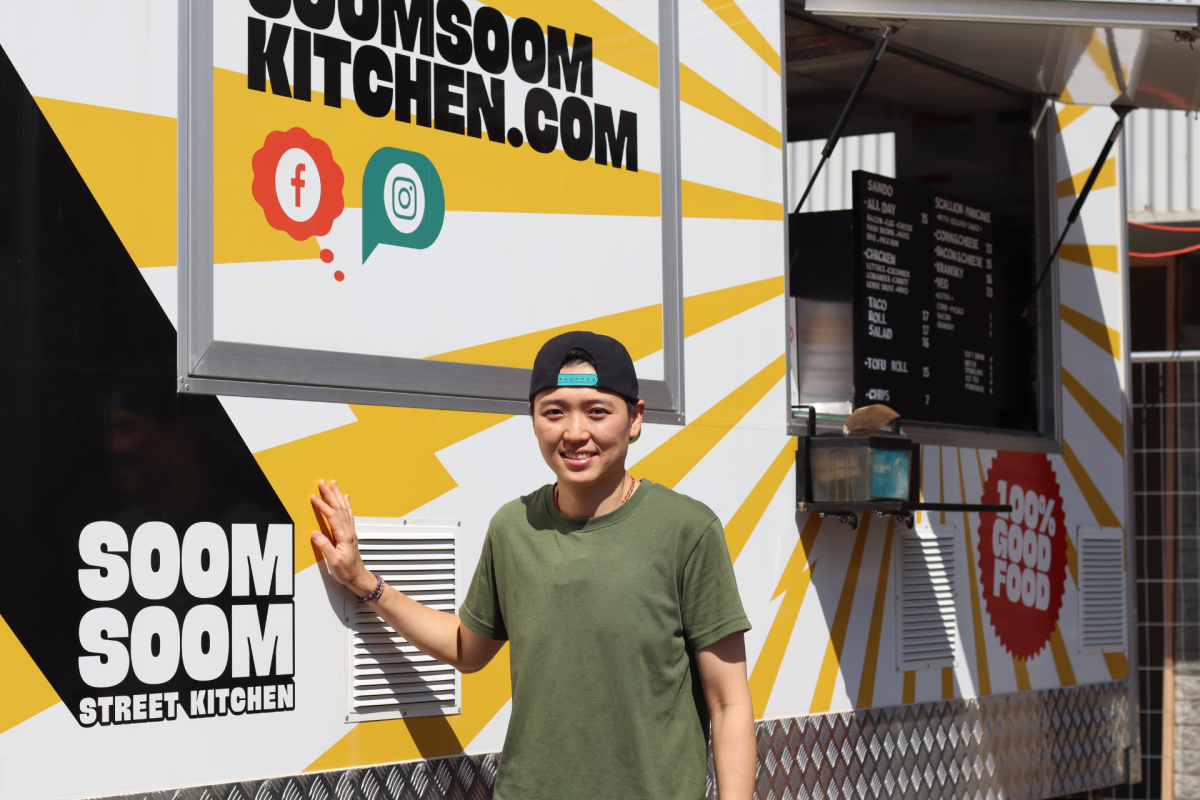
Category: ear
<point>635,423</point>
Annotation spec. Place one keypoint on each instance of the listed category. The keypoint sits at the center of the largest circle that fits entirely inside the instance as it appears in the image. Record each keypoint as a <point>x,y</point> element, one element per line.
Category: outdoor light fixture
<point>844,474</point>
<point>860,466</point>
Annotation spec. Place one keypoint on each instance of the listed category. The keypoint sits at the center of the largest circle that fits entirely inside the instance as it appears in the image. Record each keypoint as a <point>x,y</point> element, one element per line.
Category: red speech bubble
<point>298,184</point>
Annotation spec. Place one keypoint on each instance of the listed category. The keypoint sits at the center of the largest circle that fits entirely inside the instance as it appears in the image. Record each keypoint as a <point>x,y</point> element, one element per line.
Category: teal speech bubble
<point>403,201</point>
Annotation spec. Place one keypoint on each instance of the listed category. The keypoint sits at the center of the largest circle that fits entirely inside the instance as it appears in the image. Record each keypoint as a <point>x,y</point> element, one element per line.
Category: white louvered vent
<point>926,621</point>
<point>388,677</point>
<point>1102,599</point>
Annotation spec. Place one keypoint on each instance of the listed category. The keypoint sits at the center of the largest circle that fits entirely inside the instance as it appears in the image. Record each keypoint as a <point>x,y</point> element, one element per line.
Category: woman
<point>617,594</point>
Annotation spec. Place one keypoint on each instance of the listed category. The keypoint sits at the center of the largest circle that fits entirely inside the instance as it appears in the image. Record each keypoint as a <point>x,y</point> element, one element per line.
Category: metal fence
<point>1166,491</point>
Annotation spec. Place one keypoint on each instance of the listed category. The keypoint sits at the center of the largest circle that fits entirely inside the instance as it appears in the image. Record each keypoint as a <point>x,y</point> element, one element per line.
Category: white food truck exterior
<point>251,243</point>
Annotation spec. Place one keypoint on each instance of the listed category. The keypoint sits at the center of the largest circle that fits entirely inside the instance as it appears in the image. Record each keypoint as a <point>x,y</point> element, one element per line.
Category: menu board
<point>964,306</point>
<point>924,303</point>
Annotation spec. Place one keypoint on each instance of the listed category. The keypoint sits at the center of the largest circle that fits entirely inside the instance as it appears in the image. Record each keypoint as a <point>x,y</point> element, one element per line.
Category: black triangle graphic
<point>93,426</point>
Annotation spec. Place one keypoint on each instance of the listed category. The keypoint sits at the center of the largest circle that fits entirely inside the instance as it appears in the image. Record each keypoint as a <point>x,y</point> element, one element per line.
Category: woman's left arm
<point>735,749</point>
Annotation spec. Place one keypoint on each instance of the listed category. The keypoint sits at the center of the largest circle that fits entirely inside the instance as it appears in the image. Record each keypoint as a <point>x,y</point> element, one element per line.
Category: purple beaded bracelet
<point>375,594</point>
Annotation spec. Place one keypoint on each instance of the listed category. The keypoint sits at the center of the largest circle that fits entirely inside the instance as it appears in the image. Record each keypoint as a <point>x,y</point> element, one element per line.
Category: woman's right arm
<point>435,633</point>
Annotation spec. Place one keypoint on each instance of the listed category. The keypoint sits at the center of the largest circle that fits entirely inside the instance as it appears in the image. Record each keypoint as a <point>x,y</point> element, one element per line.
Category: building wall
<point>874,152</point>
<point>1162,149</point>
<point>1163,156</point>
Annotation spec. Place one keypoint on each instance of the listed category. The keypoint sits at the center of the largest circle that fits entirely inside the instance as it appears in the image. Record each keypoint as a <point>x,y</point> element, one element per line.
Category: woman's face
<point>583,432</point>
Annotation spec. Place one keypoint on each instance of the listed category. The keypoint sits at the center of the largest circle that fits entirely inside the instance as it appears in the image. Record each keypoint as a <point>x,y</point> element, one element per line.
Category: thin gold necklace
<point>632,485</point>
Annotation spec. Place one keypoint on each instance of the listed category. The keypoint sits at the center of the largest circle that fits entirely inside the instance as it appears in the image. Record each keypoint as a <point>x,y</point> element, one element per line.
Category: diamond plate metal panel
<point>1023,746</point>
<point>456,778</point>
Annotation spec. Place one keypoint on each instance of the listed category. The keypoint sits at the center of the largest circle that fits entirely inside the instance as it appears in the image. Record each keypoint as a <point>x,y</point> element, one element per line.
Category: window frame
<point>207,365</point>
<point>1049,436</point>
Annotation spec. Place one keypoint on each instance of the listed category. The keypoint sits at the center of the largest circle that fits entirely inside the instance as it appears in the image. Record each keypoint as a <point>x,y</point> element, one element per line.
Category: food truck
<point>247,244</point>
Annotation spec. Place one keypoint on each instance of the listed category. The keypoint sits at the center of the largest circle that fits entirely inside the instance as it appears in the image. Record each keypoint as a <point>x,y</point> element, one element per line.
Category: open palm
<point>340,545</point>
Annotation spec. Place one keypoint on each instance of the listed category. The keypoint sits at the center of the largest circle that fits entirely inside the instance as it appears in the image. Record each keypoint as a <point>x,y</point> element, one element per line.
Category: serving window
<point>966,89</point>
<point>919,293</point>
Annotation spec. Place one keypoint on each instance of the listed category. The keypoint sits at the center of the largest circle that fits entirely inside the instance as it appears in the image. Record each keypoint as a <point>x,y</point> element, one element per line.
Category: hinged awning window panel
<point>1090,52</point>
<point>926,597</point>
<point>1102,598</point>
<point>386,676</point>
<point>1104,13</point>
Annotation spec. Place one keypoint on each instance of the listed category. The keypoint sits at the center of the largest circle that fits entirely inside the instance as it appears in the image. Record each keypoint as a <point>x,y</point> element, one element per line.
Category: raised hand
<point>435,633</point>
<point>340,546</point>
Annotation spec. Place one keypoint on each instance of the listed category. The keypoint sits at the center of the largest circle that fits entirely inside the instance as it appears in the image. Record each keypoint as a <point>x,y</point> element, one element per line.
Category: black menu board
<point>892,345</point>
<point>963,288</point>
<point>923,303</point>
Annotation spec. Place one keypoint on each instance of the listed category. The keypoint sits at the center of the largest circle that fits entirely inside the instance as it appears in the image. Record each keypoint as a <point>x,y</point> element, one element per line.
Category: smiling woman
<point>618,597</point>
<point>584,431</point>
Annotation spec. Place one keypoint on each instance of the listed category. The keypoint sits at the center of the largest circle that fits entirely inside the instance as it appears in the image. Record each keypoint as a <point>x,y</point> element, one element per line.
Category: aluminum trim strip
<point>1021,12</point>
<point>1164,356</point>
<point>672,203</point>
<point>194,159</point>
<point>948,436</point>
<point>337,394</point>
<point>269,367</point>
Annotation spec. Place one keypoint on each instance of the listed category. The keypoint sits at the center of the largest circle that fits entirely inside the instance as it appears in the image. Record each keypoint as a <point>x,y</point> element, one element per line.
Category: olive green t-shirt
<point>604,616</point>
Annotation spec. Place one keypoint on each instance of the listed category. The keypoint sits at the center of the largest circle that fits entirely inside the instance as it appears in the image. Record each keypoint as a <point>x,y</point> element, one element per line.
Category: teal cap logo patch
<point>577,379</point>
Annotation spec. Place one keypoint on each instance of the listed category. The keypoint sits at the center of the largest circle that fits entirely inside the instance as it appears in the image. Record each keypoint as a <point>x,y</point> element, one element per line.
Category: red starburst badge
<point>298,184</point>
<point>1023,554</point>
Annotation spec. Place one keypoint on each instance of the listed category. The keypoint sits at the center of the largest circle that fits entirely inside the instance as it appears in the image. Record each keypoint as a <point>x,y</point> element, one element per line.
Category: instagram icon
<point>404,203</point>
<point>404,198</point>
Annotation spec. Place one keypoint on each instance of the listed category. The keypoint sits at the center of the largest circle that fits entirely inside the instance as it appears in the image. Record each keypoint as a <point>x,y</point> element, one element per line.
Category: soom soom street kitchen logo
<point>195,626</point>
<point>1023,554</point>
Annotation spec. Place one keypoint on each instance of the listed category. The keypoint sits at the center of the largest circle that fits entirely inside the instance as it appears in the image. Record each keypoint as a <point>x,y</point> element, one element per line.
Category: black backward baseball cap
<point>614,367</point>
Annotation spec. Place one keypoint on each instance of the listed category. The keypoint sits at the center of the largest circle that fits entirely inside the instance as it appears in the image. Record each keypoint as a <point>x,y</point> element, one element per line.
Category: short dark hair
<point>576,356</point>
